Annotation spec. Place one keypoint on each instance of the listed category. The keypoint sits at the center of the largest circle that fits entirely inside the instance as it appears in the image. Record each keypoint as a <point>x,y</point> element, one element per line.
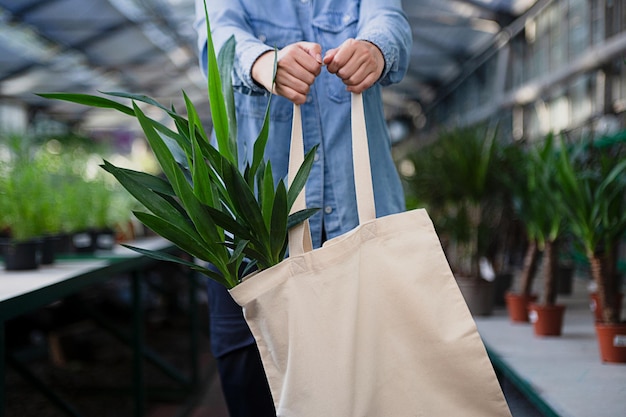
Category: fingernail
<point>319,58</point>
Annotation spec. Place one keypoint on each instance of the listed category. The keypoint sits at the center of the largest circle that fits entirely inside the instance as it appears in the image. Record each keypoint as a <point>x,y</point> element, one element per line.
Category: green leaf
<point>149,181</point>
<point>205,226</point>
<point>164,256</point>
<point>229,224</point>
<point>188,240</point>
<point>151,200</point>
<point>226,61</point>
<point>261,141</point>
<point>142,98</point>
<point>301,176</point>
<point>245,204</point>
<point>236,256</point>
<point>201,176</point>
<point>298,217</point>
<point>89,100</point>
<point>160,149</point>
<point>216,98</point>
<point>266,193</point>
<point>278,228</point>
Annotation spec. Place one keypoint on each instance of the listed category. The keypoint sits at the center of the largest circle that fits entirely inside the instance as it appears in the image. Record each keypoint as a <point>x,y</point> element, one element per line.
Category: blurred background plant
<point>53,185</point>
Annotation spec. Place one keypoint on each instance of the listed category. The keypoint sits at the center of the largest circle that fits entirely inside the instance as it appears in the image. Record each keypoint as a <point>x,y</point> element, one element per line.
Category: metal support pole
<point>2,369</point>
<point>137,338</point>
<point>55,399</point>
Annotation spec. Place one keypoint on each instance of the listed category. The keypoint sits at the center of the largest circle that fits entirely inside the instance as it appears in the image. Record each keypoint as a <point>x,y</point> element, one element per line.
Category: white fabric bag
<point>372,324</point>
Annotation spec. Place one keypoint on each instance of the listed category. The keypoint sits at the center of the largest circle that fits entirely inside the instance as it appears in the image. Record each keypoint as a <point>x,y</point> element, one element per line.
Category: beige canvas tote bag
<point>372,324</point>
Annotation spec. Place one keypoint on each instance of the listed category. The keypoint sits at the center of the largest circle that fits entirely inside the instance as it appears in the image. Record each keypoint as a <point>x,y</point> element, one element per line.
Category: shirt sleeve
<point>384,23</point>
<point>227,19</point>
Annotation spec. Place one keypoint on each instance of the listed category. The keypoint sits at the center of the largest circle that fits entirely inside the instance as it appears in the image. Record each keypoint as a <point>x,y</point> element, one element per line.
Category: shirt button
<point>328,209</point>
<point>262,38</point>
<point>309,99</point>
<point>316,157</point>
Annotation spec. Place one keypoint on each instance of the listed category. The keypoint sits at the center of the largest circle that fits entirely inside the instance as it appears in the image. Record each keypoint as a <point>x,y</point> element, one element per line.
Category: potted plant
<point>456,177</point>
<point>592,180</point>
<point>529,209</point>
<point>547,317</point>
<point>203,203</point>
<point>23,194</point>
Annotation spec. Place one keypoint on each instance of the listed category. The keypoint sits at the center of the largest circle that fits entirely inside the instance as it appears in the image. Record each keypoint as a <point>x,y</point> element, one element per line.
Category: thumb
<point>313,49</point>
<point>330,55</point>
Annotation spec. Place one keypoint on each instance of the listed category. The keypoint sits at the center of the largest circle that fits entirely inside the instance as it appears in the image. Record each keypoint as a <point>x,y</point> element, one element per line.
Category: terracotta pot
<point>612,342</point>
<point>547,320</point>
<point>517,306</point>
<point>597,312</point>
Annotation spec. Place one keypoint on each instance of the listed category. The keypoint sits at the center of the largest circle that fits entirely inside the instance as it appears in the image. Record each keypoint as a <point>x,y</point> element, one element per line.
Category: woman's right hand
<point>298,65</point>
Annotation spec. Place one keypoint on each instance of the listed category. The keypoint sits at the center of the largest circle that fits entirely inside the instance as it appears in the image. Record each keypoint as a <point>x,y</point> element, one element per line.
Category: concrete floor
<point>563,375</point>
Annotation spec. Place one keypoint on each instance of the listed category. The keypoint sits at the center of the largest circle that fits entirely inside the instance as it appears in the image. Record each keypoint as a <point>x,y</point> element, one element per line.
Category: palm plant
<point>520,180</point>
<point>204,204</point>
<point>456,179</point>
<point>593,190</point>
<point>547,222</point>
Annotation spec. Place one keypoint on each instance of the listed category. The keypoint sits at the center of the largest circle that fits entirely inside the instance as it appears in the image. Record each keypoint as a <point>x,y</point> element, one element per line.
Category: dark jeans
<point>244,383</point>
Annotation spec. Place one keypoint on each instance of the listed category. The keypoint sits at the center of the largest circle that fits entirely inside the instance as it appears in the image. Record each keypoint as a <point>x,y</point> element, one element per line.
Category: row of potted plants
<point>490,198</point>
<point>50,203</point>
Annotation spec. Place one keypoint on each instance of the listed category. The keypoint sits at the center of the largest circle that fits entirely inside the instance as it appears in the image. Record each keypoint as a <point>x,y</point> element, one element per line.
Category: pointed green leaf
<point>151,200</point>
<point>216,98</point>
<point>205,226</point>
<point>301,177</point>
<point>164,256</point>
<point>245,203</point>
<point>278,228</point>
<point>238,251</point>
<point>188,240</point>
<point>300,216</point>
<point>266,193</point>
<point>89,100</point>
<point>226,61</point>
<point>149,181</point>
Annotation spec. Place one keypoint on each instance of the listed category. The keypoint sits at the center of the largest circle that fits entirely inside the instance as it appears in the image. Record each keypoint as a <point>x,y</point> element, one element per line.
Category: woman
<point>326,50</point>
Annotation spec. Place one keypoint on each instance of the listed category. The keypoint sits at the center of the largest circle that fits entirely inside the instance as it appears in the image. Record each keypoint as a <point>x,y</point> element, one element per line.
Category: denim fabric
<point>260,25</point>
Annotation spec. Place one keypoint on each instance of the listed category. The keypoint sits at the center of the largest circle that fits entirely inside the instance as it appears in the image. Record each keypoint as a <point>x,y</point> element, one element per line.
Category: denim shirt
<point>261,25</point>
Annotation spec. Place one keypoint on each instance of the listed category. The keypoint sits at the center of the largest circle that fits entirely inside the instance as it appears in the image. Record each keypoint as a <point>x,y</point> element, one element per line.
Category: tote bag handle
<point>300,236</point>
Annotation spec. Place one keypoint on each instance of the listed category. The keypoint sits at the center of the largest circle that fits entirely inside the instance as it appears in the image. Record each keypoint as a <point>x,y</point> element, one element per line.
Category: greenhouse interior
<point>506,122</point>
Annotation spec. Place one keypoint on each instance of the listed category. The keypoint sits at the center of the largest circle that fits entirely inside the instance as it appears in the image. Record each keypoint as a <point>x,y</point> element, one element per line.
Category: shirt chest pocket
<point>332,29</point>
<point>273,35</point>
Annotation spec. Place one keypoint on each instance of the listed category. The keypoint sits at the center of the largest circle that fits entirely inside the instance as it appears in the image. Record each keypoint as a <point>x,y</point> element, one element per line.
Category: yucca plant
<point>456,178</point>
<point>205,204</point>
<point>545,210</point>
<point>593,190</point>
<point>520,179</point>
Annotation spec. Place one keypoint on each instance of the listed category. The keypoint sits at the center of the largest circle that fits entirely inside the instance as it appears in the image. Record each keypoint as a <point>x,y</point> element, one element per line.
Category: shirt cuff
<point>247,58</point>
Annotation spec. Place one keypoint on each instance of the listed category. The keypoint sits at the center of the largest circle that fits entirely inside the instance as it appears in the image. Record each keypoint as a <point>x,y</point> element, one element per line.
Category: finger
<point>292,87</point>
<point>297,58</point>
<point>313,49</point>
<point>340,56</point>
<point>329,56</point>
<point>363,85</point>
